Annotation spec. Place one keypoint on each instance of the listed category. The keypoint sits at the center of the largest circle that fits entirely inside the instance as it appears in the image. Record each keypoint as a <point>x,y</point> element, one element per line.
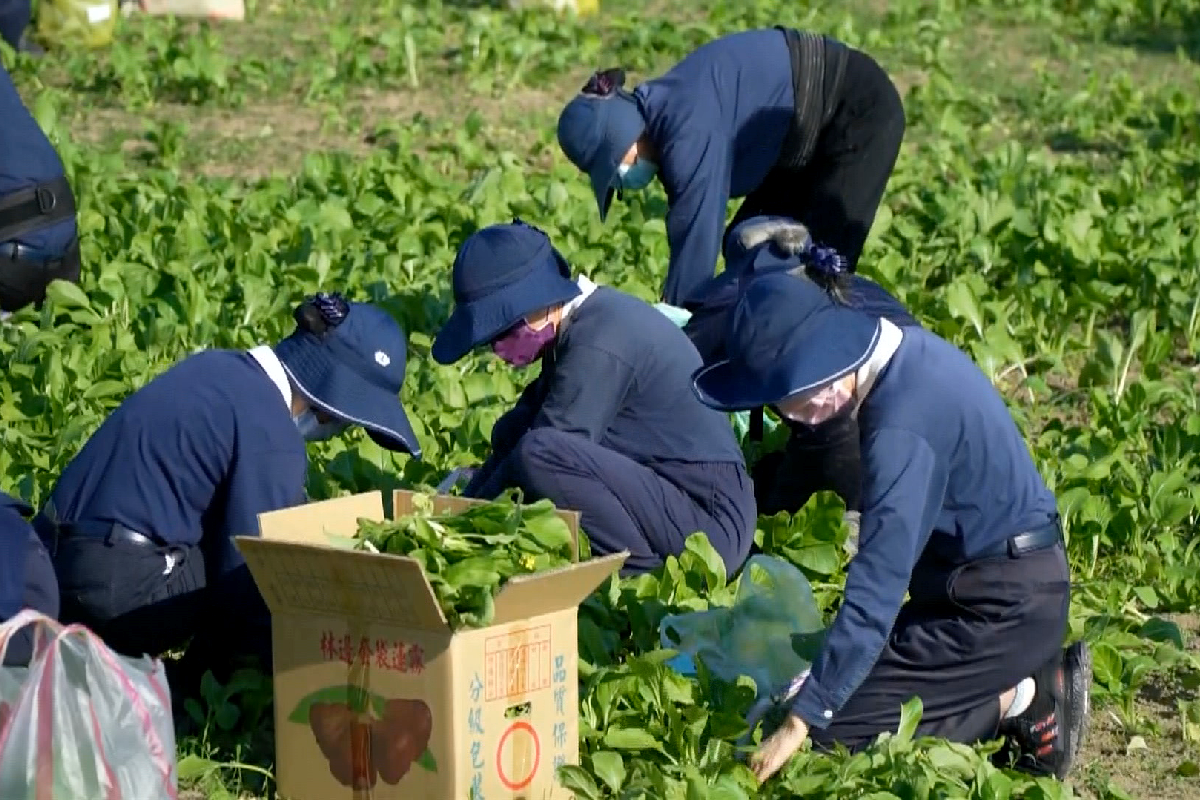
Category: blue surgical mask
<point>313,430</point>
<point>637,176</point>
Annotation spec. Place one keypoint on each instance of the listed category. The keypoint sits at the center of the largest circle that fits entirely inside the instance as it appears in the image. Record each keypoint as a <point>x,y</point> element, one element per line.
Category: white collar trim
<point>586,287</point>
<point>271,365</point>
<point>890,337</point>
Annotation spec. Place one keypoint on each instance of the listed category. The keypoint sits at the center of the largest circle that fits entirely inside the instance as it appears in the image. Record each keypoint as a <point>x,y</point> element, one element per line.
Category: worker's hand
<point>779,747</point>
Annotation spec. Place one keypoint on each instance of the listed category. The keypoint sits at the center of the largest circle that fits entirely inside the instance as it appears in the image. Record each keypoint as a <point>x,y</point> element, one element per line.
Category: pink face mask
<point>823,405</point>
<point>522,345</point>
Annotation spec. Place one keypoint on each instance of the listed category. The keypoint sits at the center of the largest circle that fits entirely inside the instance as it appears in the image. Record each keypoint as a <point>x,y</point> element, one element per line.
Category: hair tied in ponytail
<point>825,260</point>
<point>320,313</point>
<point>604,82</point>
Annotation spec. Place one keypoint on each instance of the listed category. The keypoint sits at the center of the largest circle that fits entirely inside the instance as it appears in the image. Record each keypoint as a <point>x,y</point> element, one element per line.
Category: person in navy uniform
<point>817,457</point>
<point>141,523</point>
<point>609,427</point>
<point>15,16</point>
<point>954,512</point>
<point>796,123</point>
<point>38,235</point>
<point>26,576</point>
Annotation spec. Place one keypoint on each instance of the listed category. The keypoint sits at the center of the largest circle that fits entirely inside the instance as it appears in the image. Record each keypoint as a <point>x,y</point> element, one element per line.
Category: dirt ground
<point>1146,762</point>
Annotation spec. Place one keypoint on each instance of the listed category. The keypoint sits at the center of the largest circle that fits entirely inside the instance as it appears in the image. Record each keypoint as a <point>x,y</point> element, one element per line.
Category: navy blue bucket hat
<point>786,336</point>
<point>501,274</point>
<point>348,359</point>
<point>596,130</point>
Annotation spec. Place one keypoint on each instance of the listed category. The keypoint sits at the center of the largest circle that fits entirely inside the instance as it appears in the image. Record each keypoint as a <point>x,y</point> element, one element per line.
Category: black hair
<point>823,265</point>
<point>604,82</point>
<point>320,313</point>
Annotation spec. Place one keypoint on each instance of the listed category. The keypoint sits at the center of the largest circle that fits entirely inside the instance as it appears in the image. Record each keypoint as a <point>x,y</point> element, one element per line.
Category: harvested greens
<point>470,554</point>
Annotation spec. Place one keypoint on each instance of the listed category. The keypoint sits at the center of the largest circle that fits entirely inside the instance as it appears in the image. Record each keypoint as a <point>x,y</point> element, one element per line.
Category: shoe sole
<point>1077,672</point>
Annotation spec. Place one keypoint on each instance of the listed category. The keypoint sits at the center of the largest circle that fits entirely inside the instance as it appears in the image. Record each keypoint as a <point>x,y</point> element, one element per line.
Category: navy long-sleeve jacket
<point>193,457</point>
<point>945,470</point>
<point>26,158</point>
<point>14,548</point>
<point>620,375</point>
<point>719,119</point>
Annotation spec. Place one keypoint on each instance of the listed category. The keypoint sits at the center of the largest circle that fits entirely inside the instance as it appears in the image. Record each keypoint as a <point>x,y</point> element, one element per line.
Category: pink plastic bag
<point>81,721</point>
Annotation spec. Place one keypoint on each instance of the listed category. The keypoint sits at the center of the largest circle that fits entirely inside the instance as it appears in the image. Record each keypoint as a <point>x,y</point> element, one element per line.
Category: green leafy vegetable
<point>469,555</point>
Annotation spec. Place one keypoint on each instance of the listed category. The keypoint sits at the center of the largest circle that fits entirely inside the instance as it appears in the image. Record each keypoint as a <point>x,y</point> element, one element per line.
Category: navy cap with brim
<point>321,373</point>
<point>480,321</point>
<point>595,133</point>
<point>787,336</point>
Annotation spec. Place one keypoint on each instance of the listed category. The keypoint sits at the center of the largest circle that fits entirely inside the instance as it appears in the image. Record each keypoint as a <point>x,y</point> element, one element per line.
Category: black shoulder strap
<point>36,207</point>
<point>756,425</point>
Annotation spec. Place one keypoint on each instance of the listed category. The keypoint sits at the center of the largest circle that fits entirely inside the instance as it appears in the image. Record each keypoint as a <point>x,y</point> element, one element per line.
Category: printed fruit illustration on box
<point>366,737</point>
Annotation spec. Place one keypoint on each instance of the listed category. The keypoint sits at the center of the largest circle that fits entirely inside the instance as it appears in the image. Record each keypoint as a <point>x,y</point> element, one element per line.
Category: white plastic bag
<point>771,633</point>
<point>82,722</point>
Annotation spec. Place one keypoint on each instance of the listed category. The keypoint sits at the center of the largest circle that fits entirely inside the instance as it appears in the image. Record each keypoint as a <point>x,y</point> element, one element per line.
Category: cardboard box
<point>498,706</point>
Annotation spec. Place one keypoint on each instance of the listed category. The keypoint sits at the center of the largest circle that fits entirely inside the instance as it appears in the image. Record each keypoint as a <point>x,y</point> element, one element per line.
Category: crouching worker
<point>954,512</point>
<point>610,427</point>
<point>819,456</point>
<point>140,524</point>
<point>38,232</point>
<point>26,576</point>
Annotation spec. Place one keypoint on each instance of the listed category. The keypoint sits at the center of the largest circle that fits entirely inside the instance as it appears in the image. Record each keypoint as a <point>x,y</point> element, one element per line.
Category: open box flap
<point>545,592</point>
<point>323,581</point>
<point>313,523</point>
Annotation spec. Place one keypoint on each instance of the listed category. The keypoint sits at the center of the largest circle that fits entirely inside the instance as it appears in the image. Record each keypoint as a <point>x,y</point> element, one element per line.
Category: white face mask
<point>313,430</point>
<point>822,406</point>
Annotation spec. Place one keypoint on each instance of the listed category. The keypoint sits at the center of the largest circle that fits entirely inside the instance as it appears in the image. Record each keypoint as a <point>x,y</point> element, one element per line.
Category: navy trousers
<point>41,594</point>
<point>625,505</point>
<point>151,598</point>
<point>968,634</point>
<point>14,19</point>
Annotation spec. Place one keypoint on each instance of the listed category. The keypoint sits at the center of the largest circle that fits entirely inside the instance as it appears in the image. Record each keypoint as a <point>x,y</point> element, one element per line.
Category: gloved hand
<point>455,477</point>
<point>773,708</point>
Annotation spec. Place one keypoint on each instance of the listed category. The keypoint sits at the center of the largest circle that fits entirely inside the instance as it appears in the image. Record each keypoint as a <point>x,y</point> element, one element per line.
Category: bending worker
<point>26,576</point>
<point>796,123</point>
<point>818,456</point>
<point>954,512</point>
<point>38,236</point>
<point>610,427</point>
<point>140,524</point>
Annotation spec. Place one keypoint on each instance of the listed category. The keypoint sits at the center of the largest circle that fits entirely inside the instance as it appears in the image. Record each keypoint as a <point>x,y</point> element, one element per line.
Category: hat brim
<point>604,186</point>
<point>731,385</point>
<point>478,323</point>
<point>346,395</point>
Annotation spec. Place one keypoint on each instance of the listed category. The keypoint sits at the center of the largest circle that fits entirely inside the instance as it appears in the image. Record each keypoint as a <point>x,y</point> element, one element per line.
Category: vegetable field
<point>1044,215</point>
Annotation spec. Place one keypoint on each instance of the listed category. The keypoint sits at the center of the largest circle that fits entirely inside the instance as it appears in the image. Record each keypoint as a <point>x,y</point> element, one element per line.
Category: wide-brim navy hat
<point>501,274</point>
<point>353,369</point>
<point>786,336</point>
<point>595,133</point>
